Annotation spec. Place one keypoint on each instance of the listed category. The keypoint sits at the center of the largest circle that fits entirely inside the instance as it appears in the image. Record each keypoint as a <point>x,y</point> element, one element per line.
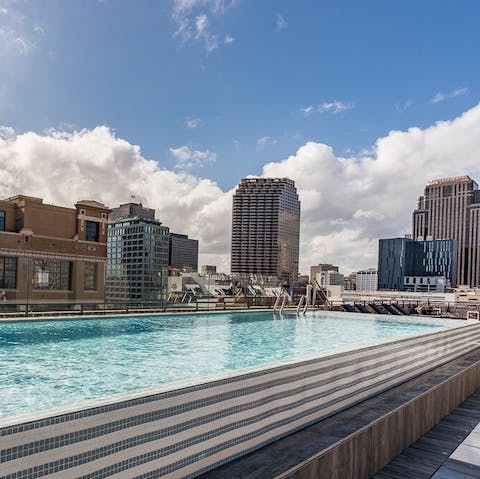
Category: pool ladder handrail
<point>300,305</point>
<point>282,297</point>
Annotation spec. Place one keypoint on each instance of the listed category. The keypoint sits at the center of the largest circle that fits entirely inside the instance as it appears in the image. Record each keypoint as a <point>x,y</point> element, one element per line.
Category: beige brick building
<point>52,254</point>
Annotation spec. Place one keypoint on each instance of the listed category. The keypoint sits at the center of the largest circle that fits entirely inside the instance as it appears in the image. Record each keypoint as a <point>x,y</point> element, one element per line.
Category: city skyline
<point>178,121</point>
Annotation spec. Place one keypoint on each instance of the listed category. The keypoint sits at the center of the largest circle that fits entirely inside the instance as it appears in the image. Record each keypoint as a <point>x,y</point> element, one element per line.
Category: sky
<point>174,101</point>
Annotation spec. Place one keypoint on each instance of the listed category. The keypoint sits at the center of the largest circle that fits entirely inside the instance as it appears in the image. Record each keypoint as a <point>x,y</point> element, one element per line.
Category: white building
<point>367,280</point>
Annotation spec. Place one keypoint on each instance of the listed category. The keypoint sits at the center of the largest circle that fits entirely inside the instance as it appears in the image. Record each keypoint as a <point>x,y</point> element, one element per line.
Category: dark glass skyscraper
<point>137,255</point>
<point>399,258</point>
<point>450,209</point>
<point>183,252</point>
<point>266,228</point>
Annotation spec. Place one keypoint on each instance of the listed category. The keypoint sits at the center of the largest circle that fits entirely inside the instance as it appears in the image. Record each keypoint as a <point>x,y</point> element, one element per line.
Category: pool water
<point>47,364</point>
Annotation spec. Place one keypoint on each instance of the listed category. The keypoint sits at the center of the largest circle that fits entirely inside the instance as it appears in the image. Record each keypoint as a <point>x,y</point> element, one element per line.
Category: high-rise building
<point>266,228</point>
<point>183,253</point>
<point>52,254</point>
<point>403,262</point>
<point>450,209</point>
<point>137,266</point>
<point>366,280</point>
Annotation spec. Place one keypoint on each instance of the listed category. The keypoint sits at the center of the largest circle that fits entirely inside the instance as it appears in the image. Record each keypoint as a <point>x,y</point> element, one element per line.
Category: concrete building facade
<point>366,280</point>
<point>52,254</point>
<point>450,209</point>
<point>137,267</point>
<point>266,228</point>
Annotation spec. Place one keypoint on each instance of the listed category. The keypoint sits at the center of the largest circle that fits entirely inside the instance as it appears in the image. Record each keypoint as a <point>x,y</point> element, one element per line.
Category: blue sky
<point>254,81</point>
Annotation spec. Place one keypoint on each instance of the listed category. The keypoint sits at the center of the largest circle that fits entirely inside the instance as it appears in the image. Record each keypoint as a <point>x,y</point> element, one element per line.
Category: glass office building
<point>137,256</point>
<point>401,258</point>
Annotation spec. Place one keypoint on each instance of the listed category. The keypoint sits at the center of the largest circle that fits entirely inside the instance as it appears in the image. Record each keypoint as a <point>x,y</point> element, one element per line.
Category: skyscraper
<point>450,209</point>
<point>137,252</point>
<point>266,228</point>
<point>183,252</point>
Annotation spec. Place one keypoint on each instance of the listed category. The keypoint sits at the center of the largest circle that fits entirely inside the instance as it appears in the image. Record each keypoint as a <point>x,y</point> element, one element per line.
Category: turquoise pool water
<point>48,364</point>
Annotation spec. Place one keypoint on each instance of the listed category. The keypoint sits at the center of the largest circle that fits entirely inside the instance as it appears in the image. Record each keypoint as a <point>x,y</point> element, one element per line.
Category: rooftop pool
<point>48,364</point>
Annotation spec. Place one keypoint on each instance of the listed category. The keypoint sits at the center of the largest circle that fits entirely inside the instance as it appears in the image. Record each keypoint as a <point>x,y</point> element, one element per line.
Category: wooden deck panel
<point>429,456</point>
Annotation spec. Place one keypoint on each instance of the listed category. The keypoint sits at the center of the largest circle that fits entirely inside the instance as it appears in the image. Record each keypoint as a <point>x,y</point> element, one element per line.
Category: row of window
<point>47,274</point>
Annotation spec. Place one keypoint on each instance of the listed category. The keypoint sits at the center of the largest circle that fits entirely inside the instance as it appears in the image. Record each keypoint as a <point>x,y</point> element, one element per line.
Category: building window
<point>90,279</point>
<point>93,231</point>
<point>8,272</point>
<point>51,274</point>
<point>2,220</point>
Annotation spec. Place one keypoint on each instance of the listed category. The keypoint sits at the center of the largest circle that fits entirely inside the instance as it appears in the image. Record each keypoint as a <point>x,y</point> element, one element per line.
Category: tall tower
<point>266,228</point>
<point>449,209</point>
<point>137,255</point>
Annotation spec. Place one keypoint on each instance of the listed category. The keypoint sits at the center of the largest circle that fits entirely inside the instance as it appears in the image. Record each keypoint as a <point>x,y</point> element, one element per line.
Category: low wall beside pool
<point>182,430</point>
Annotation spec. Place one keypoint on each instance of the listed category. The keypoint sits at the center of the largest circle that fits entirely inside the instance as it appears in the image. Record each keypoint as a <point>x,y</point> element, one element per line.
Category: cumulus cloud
<point>192,22</point>
<point>347,202</point>
<point>64,167</point>
<point>188,158</point>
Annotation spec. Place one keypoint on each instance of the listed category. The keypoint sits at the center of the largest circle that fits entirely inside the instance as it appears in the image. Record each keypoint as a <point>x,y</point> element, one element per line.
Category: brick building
<point>52,254</point>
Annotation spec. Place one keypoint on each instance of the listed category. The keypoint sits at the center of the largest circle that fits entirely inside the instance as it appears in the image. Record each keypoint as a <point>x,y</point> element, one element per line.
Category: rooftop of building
<point>451,179</point>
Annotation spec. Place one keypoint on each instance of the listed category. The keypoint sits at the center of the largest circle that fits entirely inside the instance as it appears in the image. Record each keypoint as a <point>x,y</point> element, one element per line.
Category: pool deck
<point>391,419</point>
<point>449,450</point>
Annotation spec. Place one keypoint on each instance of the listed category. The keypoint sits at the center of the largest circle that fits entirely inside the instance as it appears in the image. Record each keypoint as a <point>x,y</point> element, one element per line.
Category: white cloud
<point>17,33</point>
<point>443,96</point>
<point>280,23</point>
<point>39,29</point>
<point>188,158</point>
<point>404,106</point>
<point>192,21</point>
<point>459,92</point>
<point>307,111</point>
<point>438,98</point>
<point>265,141</point>
<point>347,202</point>
<point>361,199</point>
<point>6,132</point>
<point>335,106</point>
<point>193,123</point>
<point>229,40</point>
<point>201,24</point>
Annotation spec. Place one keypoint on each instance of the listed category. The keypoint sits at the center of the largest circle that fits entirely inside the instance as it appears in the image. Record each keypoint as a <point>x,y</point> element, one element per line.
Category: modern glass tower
<point>450,209</point>
<point>266,228</point>
<point>137,255</point>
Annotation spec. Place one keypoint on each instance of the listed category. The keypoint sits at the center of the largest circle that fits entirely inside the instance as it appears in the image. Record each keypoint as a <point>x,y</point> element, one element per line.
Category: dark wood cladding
<point>371,448</point>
